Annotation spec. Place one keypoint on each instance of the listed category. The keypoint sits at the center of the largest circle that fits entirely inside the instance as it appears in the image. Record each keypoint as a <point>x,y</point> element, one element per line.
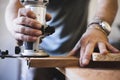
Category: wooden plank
<point>62,61</point>
<point>53,61</point>
<point>73,70</point>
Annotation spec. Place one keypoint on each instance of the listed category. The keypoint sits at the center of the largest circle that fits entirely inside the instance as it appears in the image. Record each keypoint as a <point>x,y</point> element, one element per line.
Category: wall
<point>8,67</point>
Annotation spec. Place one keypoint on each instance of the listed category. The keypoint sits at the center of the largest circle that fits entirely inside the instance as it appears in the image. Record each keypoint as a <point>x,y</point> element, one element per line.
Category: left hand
<point>91,39</point>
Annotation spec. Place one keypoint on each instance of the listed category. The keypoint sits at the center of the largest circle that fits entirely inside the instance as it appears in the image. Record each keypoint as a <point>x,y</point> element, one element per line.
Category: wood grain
<point>53,61</point>
<point>107,57</point>
<point>98,61</point>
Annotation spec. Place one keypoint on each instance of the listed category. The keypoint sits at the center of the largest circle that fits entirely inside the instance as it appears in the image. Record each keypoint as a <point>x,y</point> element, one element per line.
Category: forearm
<point>106,10</point>
<point>11,13</point>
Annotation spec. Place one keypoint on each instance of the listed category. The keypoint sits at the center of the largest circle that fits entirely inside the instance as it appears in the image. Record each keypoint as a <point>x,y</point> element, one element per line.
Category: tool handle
<point>39,8</point>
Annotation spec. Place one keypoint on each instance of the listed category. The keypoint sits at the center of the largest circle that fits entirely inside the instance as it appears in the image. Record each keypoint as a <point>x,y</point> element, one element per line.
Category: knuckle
<point>29,38</point>
<point>22,19</point>
<point>22,37</point>
<point>31,32</point>
<point>27,21</point>
<point>31,23</point>
<point>22,29</point>
<point>82,40</point>
<point>87,56</point>
<point>18,36</point>
<point>21,11</point>
<point>104,51</point>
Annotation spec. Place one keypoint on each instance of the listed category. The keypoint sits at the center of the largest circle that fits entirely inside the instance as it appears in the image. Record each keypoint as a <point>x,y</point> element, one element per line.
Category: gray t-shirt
<point>69,17</point>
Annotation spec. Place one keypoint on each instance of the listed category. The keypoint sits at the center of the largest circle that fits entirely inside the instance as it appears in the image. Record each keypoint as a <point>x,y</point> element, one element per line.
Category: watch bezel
<point>103,25</point>
<point>106,27</point>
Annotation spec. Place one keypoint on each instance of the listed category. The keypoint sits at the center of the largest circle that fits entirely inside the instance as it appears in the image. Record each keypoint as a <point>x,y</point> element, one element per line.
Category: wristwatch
<point>103,25</point>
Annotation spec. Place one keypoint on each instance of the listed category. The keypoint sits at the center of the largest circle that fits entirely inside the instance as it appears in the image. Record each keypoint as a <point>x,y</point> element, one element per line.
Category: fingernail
<point>85,61</point>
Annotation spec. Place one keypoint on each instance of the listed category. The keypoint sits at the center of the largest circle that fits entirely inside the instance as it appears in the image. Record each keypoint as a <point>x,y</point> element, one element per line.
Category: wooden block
<point>54,61</point>
<point>107,57</point>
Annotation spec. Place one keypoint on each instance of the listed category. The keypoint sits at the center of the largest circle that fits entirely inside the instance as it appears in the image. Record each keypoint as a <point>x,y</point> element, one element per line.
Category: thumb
<point>73,52</point>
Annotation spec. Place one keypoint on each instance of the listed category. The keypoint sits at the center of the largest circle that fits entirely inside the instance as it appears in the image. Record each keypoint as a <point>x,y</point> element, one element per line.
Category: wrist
<point>97,27</point>
<point>100,25</point>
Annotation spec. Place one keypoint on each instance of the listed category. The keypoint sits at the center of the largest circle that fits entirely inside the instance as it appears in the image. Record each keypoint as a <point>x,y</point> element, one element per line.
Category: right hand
<point>26,27</point>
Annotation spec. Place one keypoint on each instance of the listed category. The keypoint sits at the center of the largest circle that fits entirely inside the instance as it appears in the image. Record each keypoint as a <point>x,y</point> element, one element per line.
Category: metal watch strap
<point>102,25</point>
<point>98,28</point>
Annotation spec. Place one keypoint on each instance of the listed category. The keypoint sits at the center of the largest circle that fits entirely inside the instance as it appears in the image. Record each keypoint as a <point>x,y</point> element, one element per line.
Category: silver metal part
<point>39,8</point>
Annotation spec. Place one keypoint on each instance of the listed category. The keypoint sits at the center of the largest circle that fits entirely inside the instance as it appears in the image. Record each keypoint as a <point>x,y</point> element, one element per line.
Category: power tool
<point>39,8</point>
<point>31,49</point>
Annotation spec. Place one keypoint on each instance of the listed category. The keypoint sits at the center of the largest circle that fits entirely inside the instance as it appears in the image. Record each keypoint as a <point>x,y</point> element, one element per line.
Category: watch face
<point>106,26</point>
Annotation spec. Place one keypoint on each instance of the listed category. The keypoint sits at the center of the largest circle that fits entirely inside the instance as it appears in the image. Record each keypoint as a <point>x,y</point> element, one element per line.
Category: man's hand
<point>26,27</point>
<point>91,39</point>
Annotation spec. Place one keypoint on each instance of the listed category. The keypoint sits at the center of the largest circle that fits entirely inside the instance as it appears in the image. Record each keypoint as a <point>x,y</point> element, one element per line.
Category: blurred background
<point>10,68</point>
<point>114,35</point>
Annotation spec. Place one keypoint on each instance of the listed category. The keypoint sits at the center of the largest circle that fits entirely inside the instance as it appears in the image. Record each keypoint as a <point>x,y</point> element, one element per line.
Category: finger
<point>30,14</point>
<point>102,48</point>
<point>72,53</point>
<point>26,12</point>
<point>82,51</point>
<point>87,55</point>
<point>23,37</point>
<point>28,22</point>
<point>27,31</point>
<point>83,43</point>
<point>75,49</point>
<point>48,17</point>
<point>112,49</point>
